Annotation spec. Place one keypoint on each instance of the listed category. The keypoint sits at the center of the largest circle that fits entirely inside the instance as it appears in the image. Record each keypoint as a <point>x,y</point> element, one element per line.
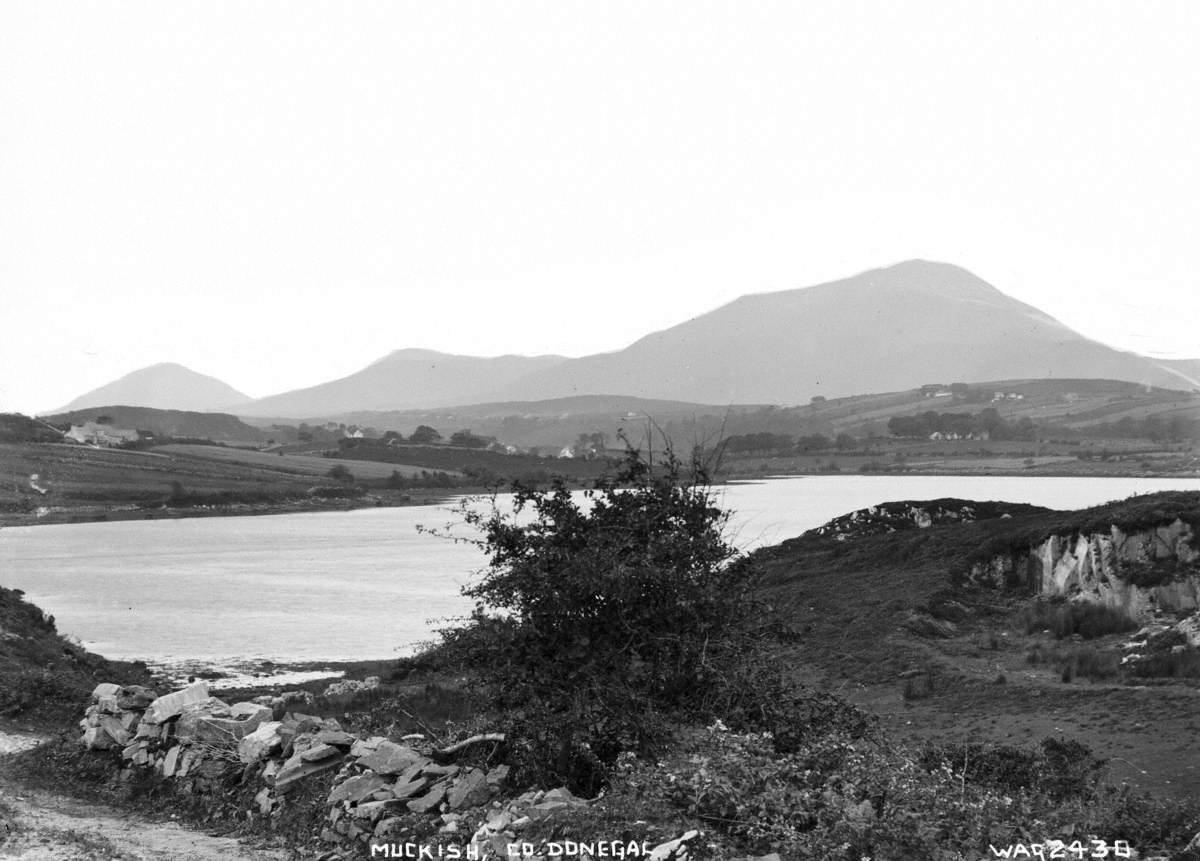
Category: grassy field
<point>847,605</point>
<point>295,464</point>
<point>76,482</point>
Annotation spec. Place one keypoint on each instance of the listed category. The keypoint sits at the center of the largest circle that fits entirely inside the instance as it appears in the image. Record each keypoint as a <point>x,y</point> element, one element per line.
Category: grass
<point>1065,619</point>
<point>1077,662</point>
<point>43,675</point>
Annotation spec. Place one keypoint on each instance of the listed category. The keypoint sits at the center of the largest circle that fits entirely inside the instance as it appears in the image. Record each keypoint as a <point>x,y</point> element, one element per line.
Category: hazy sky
<point>279,193</point>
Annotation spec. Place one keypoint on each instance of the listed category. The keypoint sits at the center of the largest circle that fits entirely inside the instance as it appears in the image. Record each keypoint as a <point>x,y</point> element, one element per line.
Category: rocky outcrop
<point>900,516</point>
<point>1142,572</point>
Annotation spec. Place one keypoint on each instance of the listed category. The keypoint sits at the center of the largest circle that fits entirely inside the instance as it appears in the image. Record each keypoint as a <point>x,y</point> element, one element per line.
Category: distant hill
<point>1068,403</point>
<point>165,386</point>
<point>556,422</point>
<point>1187,369</point>
<point>218,427</point>
<point>401,380</point>
<point>884,330</point>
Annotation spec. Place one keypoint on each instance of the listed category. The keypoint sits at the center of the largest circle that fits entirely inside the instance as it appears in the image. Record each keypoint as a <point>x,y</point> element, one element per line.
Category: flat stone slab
<point>172,704</point>
<point>390,758</point>
<point>357,788</point>
<point>297,768</point>
<point>319,752</point>
<point>429,801</point>
<point>468,790</point>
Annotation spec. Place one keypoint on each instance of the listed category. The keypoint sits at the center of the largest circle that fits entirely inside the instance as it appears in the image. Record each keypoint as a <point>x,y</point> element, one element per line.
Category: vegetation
<point>43,675</point>
<point>1066,619</point>
<point>594,623</point>
<point>989,422</point>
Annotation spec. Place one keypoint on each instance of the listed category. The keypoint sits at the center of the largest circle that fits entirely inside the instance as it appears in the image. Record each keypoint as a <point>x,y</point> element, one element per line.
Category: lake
<point>366,583</point>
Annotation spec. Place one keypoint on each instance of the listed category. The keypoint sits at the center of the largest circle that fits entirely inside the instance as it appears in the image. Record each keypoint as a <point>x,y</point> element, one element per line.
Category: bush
<point>595,620</point>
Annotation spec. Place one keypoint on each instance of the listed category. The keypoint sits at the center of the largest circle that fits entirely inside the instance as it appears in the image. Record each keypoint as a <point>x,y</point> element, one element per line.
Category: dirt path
<point>37,825</point>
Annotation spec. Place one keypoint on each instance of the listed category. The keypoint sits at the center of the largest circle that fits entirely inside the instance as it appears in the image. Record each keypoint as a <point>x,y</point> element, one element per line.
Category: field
<point>295,464</point>
<point>847,605</point>
<point>76,482</point>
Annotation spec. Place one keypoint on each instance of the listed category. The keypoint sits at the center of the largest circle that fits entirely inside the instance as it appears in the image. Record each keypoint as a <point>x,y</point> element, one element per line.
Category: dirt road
<point>37,825</point>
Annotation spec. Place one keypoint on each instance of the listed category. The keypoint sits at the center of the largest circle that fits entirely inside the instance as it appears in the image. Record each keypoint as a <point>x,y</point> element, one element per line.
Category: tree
<point>392,436</point>
<point>340,473</point>
<point>425,435</point>
<point>593,617</point>
<point>466,439</point>
<point>590,445</point>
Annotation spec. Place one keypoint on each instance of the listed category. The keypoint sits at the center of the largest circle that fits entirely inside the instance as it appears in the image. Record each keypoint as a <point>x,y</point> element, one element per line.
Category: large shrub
<point>597,617</point>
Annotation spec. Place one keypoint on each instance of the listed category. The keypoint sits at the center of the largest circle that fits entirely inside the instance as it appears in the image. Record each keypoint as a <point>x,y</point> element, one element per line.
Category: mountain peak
<point>166,385</point>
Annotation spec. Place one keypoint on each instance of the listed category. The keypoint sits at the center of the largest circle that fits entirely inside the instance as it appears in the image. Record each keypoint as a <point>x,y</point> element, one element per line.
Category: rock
<point>388,826</point>
<point>563,794</point>
<point>468,790</point>
<point>390,758</point>
<point>337,738</point>
<point>170,705</point>
<point>135,697</point>
<point>197,724</point>
<point>349,687</point>
<point>171,761</point>
<point>249,711</point>
<point>264,801</point>
<point>430,800</point>
<point>298,768</point>
<point>107,705</point>
<point>366,746</point>
<point>115,729</point>
<point>673,849</point>
<point>357,788</point>
<point>319,752</point>
<point>373,810</point>
<point>106,689</point>
<point>497,776</point>
<point>409,788</point>
<point>440,770</point>
<point>95,738</point>
<point>1190,629</point>
<point>260,743</point>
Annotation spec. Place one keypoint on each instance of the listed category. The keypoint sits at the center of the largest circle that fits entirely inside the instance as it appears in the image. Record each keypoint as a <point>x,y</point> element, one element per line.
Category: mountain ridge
<point>885,329</point>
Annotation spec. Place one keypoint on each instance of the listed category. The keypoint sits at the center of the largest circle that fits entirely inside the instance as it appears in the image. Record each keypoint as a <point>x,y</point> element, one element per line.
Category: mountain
<point>884,330</point>
<point>1188,370</point>
<point>404,379</point>
<point>164,386</point>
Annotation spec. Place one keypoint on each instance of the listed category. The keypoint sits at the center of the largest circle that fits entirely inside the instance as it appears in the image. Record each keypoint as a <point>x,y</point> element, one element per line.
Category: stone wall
<point>379,784</point>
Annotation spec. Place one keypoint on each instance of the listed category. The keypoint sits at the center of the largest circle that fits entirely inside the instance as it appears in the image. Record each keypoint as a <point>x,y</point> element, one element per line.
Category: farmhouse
<point>95,433</point>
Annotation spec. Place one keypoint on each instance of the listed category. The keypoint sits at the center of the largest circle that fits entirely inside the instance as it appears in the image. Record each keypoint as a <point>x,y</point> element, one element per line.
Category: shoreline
<point>99,513</point>
<point>105,514</point>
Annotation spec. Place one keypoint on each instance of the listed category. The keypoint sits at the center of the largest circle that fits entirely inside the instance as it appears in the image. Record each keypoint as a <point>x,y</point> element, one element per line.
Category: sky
<point>279,193</point>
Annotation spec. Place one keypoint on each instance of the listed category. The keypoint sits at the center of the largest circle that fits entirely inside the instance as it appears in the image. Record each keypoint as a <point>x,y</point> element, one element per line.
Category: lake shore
<point>96,513</point>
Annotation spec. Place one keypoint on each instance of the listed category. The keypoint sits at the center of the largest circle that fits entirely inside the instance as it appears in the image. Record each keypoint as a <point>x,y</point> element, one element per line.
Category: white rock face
<point>1099,567</point>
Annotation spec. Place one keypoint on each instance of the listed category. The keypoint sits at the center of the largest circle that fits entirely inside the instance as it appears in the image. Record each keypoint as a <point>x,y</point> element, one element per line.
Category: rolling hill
<point>401,380</point>
<point>166,386</point>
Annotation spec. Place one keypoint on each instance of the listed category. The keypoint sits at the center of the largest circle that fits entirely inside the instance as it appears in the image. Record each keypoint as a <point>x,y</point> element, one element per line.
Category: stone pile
<point>1161,636</point>
<point>190,734</point>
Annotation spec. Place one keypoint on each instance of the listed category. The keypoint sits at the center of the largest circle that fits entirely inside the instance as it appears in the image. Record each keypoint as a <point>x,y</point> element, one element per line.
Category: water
<point>367,584</point>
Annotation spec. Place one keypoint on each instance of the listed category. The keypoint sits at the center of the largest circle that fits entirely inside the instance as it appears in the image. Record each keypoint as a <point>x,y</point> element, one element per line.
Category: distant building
<point>93,433</point>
